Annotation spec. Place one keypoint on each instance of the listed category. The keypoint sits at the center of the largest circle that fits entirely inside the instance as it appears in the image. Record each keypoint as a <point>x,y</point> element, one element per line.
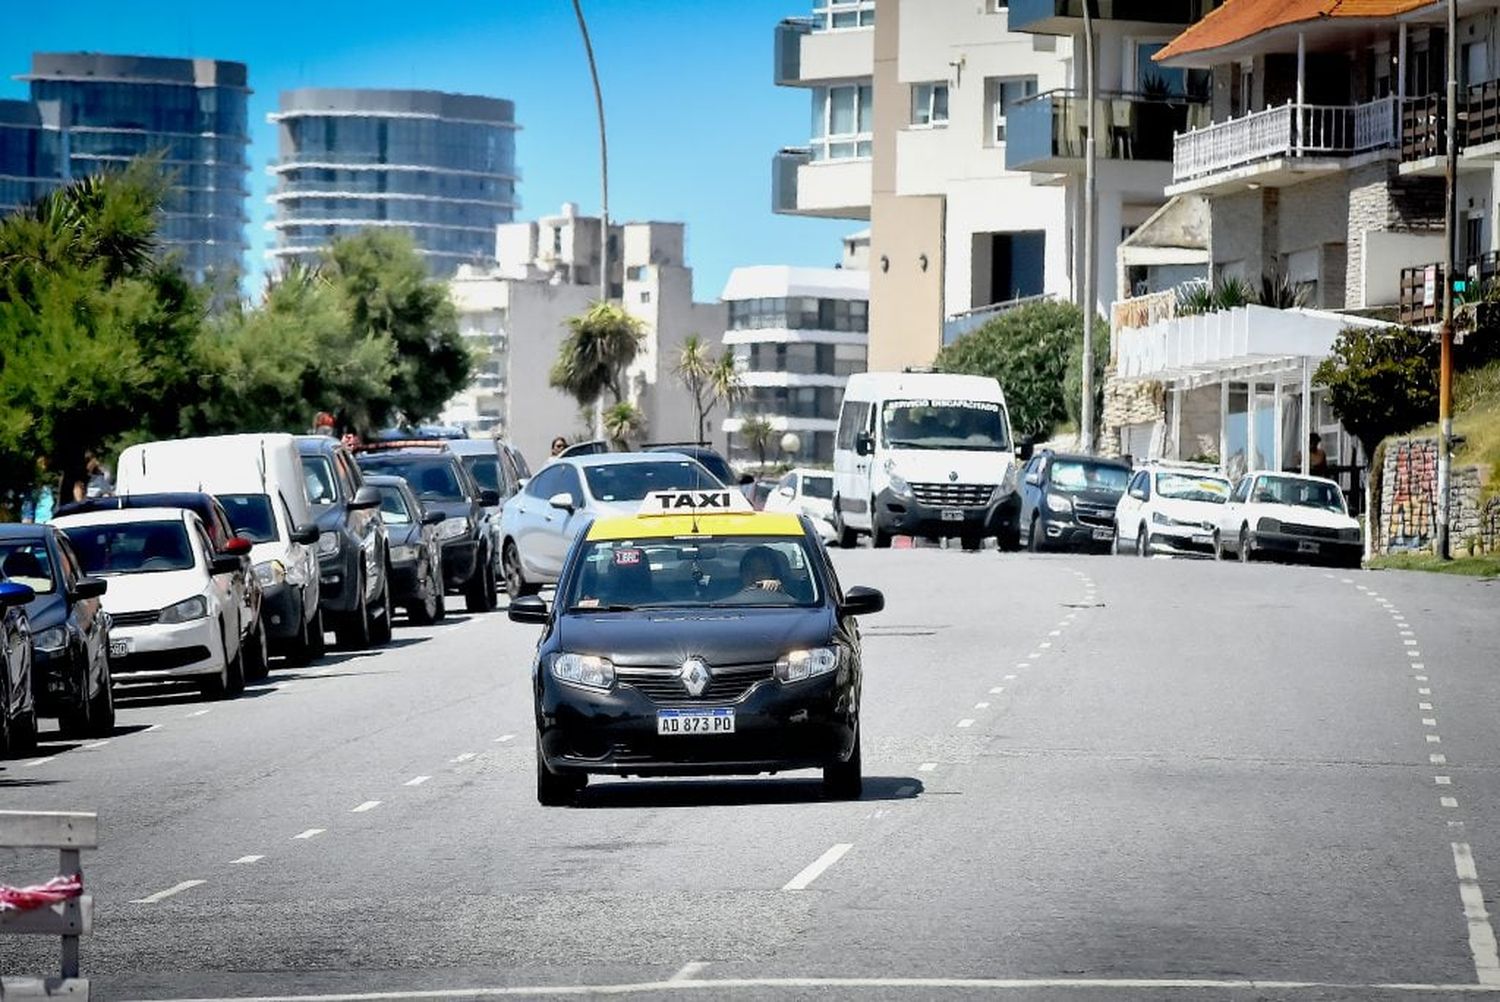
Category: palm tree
<point>600,346</point>
<point>726,382</point>
<point>757,433</point>
<point>623,424</point>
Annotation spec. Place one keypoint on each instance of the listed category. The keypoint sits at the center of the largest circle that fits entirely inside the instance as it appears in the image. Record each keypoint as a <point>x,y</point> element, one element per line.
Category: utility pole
<point>588,48</point>
<point>1090,236</point>
<point>1450,235</point>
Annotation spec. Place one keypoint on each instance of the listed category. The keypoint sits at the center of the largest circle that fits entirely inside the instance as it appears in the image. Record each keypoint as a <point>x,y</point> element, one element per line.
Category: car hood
<point>47,611</point>
<point>405,535</point>
<point>1302,515</point>
<point>451,509</point>
<point>156,590</point>
<point>1104,499</point>
<point>666,637</point>
<point>328,517</point>
<point>942,466</point>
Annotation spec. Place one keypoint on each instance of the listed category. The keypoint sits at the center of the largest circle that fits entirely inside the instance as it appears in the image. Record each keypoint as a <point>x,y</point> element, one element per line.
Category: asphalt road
<point>1085,777</point>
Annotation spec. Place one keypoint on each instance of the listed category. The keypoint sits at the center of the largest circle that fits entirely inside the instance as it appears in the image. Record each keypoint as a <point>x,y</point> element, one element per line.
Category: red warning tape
<point>54,891</point>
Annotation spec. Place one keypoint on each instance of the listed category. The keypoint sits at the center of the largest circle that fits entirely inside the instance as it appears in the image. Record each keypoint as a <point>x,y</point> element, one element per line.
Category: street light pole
<point>588,48</point>
<point>1445,362</point>
<point>1090,237</point>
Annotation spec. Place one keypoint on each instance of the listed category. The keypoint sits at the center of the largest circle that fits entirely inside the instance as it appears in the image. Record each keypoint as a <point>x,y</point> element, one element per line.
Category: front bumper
<point>906,516</point>
<point>1071,535</point>
<point>460,559</point>
<point>281,611</point>
<point>406,581</point>
<point>1184,540</point>
<point>184,650</point>
<point>338,579</point>
<point>778,727</point>
<point>1283,546</point>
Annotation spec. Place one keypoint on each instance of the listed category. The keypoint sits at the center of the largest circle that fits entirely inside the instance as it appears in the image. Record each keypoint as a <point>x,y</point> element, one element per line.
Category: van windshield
<point>976,425</point>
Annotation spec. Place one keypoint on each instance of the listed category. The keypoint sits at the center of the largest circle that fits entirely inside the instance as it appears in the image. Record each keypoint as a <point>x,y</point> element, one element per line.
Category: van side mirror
<point>307,535</point>
<point>1025,450</point>
<point>864,444</point>
<point>89,588</point>
<point>1033,478</point>
<point>528,609</point>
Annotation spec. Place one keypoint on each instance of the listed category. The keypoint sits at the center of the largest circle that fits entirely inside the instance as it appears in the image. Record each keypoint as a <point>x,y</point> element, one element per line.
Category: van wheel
<point>879,538</point>
<point>847,537</point>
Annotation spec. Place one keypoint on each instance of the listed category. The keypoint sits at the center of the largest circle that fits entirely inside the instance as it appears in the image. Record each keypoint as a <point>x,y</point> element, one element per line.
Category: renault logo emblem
<point>695,676</point>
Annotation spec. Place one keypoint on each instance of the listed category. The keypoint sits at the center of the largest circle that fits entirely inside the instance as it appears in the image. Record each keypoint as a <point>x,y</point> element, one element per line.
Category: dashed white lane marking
<point>1429,721</point>
<point>927,767</point>
<point>368,805</point>
<point>152,899</point>
<point>310,833</point>
<point>94,745</point>
<point>966,722</point>
<point>997,690</point>
<point>503,738</point>
<point>248,859</point>
<point>1045,644</point>
<point>1433,739</point>
<point>1419,678</point>
<point>1438,759</point>
<point>686,971</point>
<point>1424,706</point>
<point>416,781</point>
<point>1424,691</point>
<point>39,761</point>
<point>1407,633</point>
<point>199,713</point>
<point>1010,678</point>
<point>1033,655</point>
<point>1413,654</point>
<point>465,757</point>
<point>1443,780</point>
<point>1055,633</point>
<point>1409,643</point>
<point>812,871</point>
<point>981,706</point>
<point>1420,667</point>
<point>1481,933</point>
<point>1448,801</point>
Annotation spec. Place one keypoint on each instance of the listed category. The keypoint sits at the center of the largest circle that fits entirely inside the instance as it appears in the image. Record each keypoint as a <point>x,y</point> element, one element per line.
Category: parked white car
<point>171,601</point>
<point>810,493</point>
<point>1289,516</point>
<point>540,522</point>
<point>1171,509</point>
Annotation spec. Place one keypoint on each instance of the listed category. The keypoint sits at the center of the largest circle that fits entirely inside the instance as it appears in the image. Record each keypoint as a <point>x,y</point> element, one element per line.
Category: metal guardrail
<point>69,833</point>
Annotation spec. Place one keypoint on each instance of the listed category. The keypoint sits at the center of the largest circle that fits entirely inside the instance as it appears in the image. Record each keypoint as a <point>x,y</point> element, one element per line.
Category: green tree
<point>388,294</point>
<point>1381,381</point>
<point>757,433</point>
<point>600,346</point>
<point>623,424</point>
<point>709,379</point>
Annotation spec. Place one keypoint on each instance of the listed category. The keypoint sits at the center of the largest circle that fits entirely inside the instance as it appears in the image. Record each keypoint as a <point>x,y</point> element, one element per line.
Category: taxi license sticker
<point>628,556</point>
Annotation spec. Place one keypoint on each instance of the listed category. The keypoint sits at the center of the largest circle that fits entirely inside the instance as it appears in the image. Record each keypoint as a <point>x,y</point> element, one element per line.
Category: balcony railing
<point>1424,121</point>
<point>1422,288</point>
<point>1049,15</point>
<point>1291,130</point>
<point>784,178</point>
<point>1050,127</point>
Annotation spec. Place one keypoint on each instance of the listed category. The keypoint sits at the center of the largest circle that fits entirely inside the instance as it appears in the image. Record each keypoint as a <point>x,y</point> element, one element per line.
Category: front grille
<point>953,495</point>
<point>135,618</point>
<point>1312,531</point>
<point>727,685</point>
<point>1094,514</point>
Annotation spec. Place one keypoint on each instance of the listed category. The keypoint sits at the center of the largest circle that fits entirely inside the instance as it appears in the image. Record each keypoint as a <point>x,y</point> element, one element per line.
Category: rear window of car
<point>633,481</point>
<point>431,479</point>
<point>132,547</point>
<point>250,516</point>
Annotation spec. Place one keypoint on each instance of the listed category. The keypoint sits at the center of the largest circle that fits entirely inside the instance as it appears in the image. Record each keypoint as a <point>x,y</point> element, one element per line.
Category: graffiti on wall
<point>1411,512</point>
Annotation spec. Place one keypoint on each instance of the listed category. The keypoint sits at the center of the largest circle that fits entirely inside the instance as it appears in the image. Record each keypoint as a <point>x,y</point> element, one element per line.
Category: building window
<point>645,295</point>
<point>843,122</point>
<point>1473,235</point>
<point>557,239</point>
<point>835,14</point>
<point>929,104</point>
<point>1000,93</point>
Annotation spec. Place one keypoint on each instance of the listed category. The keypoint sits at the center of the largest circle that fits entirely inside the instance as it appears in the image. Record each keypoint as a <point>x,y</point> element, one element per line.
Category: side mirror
<point>365,498</point>
<point>522,482</point>
<point>307,535</point>
<point>432,517</point>
<point>1033,478</point>
<point>864,444</point>
<point>528,609</point>
<point>1025,451</point>
<point>1138,494</point>
<point>563,501</point>
<point>489,498</point>
<point>13,593</point>
<point>860,601</point>
<point>786,492</point>
<point>746,479</point>
<point>239,546</point>
<point>224,563</point>
<point>89,588</point>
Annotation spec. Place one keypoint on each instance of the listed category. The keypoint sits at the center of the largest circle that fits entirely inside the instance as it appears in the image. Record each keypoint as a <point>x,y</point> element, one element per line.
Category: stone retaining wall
<point>1407,519</point>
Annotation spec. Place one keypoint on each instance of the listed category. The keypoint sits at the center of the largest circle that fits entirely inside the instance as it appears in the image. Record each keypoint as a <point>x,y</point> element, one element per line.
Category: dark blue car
<point>17,706</point>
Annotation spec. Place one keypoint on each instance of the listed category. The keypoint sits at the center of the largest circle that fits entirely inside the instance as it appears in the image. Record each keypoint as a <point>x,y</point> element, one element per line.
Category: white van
<point>260,482</point>
<point>925,454</point>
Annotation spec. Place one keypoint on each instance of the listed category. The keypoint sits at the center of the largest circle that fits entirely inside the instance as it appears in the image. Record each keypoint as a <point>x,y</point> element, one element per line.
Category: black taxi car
<point>697,638</point>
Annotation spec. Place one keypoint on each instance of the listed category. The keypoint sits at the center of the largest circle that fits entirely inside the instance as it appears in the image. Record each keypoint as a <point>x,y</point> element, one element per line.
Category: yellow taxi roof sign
<point>751,523</point>
<point>717,501</point>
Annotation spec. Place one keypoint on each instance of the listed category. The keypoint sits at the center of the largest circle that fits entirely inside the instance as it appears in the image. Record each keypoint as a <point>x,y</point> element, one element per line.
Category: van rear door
<point>851,471</point>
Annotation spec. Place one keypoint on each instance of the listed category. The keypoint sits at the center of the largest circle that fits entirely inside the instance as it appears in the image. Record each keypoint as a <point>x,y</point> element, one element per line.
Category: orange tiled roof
<point>1237,20</point>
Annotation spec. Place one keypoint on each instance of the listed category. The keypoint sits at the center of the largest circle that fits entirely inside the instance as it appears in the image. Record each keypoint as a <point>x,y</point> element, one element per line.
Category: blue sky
<point>693,116</point>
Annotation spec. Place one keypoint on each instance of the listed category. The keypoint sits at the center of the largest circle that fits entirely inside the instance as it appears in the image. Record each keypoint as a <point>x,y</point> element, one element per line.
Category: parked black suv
<point>442,484</point>
<point>353,549</point>
<point>1068,502</point>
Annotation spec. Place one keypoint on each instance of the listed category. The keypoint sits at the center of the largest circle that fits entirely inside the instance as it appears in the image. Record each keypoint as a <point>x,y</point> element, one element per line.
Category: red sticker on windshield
<point>628,557</point>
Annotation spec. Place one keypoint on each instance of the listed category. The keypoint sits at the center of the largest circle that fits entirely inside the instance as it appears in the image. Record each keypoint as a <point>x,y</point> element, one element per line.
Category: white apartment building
<point>516,317</point>
<point>797,334</point>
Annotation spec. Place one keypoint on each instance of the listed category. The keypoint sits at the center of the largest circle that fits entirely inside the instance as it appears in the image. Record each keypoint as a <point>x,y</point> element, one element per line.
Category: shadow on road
<point>20,782</point>
<point>131,697</point>
<point>643,793</point>
<point>55,742</point>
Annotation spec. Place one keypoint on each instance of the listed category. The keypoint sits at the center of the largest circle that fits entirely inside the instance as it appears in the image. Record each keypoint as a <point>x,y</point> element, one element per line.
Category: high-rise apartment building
<point>90,113</point>
<point>441,167</point>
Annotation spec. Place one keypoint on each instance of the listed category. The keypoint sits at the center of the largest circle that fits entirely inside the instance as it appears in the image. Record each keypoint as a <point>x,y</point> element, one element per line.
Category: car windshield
<point>431,479</point>
<point>976,425</point>
<point>1186,487</point>
<point>1299,493</point>
<point>132,547</point>
<point>318,474</point>
<point>27,563</point>
<point>393,507</point>
<point>250,516</point>
<point>1072,475</point>
<point>713,463</point>
<point>818,487</point>
<point>696,572</point>
<point>485,470</point>
<point>616,482</point>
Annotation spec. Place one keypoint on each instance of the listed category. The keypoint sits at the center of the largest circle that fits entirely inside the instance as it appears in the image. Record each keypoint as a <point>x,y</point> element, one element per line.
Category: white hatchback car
<point>806,492</point>
<point>1170,509</point>
<point>1291,517</point>
<point>539,523</point>
<point>171,601</point>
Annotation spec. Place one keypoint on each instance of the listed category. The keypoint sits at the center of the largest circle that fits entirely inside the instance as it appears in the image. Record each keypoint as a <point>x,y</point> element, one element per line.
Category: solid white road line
<point>416,781</point>
<point>812,871</point>
<point>93,745</point>
<point>153,727</point>
<point>248,859</point>
<point>200,713</point>
<point>503,738</point>
<point>39,761</point>
<point>927,767</point>
<point>368,805</point>
<point>1481,933</point>
<point>686,971</point>
<point>152,899</point>
<point>465,757</point>
<point>310,833</point>
<point>966,722</point>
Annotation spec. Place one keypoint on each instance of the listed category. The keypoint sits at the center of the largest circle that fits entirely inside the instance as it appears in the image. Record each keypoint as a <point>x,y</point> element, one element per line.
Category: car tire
<point>1142,543</point>
<point>516,585</point>
<point>5,721</point>
<point>1034,535</point>
<point>258,663</point>
<point>353,628</point>
<point>479,594</point>
<point>845,537</point>
<point>1244,553</point>
<point>102,706</point>
<point>971,544</point>
<point>1219,552</point>
<point>317,635</point>
<point>845,780</point>
<point>230,681</point>
<point>553,790</point>
<point>380,626</point>
<point>425,612</point>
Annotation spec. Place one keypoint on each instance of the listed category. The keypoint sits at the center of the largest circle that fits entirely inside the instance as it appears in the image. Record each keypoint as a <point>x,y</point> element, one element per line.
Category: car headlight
<point>185,611</point>
<point>328,544</point>
<point>1350,535</point>
<point>1268,525</point>
<point>52,639</point>
<point>900,487</point>
<point>270,572</point>
<point>1059,503</point>
<point>586,670</point>
<point>403,554</point>
<point>794,666</point>
<point>452,528</point>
